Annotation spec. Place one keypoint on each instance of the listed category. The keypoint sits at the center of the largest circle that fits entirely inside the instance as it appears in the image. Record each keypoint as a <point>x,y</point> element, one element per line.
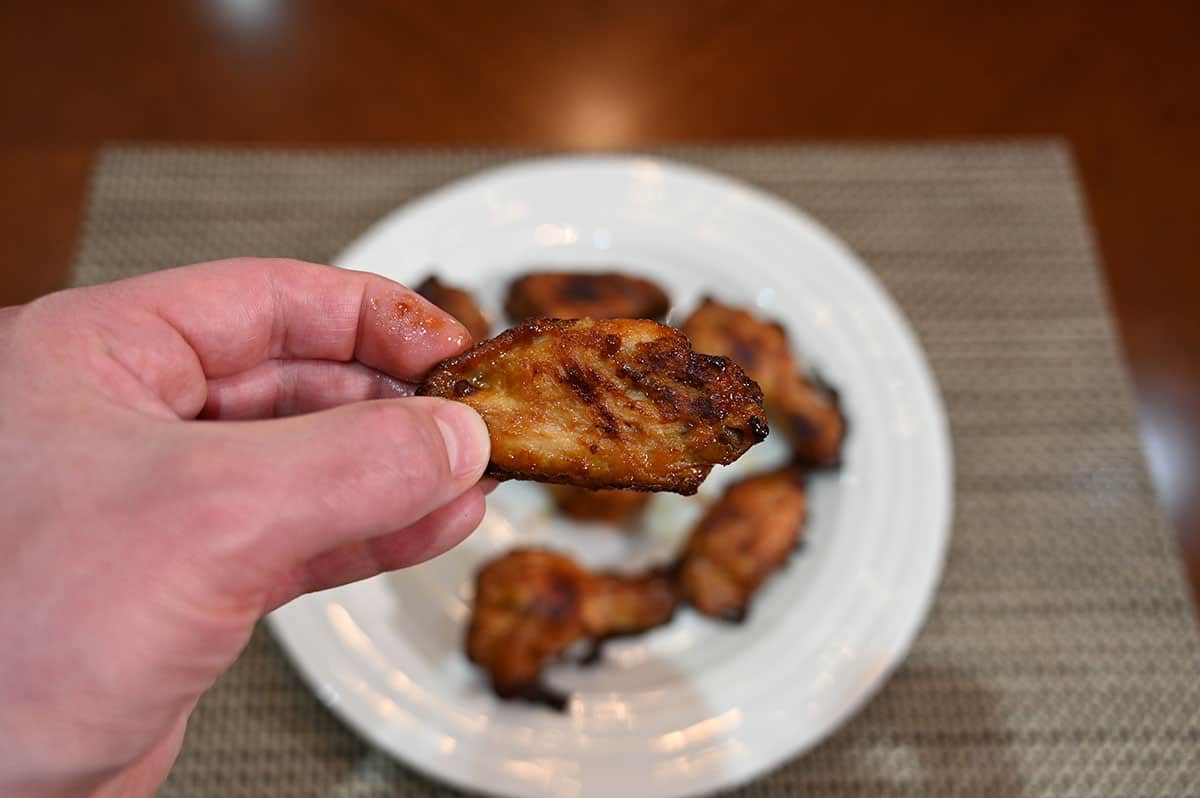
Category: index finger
<point>236,314</point>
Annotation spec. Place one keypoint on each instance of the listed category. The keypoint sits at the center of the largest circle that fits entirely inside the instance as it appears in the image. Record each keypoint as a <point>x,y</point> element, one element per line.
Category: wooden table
<point>1119,81</point>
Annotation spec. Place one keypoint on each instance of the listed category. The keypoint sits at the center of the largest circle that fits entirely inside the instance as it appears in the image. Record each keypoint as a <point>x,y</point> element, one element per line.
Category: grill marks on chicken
<point>577,295</point>
<point>606,295</point>
<point>621,403</point>
<point>531,605</point>
<point>807,410</point>
<point>759,347</point>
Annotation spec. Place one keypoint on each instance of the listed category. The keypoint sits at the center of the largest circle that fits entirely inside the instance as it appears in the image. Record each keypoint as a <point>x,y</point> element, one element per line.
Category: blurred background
<point>1118,81</point>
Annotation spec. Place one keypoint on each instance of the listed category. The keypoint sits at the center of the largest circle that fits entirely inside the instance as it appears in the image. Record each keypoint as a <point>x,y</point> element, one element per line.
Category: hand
<point>138,546</point>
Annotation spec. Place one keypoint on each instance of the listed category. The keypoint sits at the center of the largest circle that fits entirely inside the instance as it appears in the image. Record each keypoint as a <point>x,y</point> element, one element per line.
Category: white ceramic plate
<point>697,705</point>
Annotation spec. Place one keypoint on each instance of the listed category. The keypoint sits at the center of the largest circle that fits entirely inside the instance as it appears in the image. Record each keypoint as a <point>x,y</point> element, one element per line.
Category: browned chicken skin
<point>531,605</point>
<point>458,303</point>
<point>809,412</point>
<point>578,295</point>
<point>621,403</point>
<point>584,504</point>
<point>742,538</point>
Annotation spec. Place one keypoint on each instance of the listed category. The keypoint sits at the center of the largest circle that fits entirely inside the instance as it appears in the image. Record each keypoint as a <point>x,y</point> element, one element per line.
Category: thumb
<point>306,484</point>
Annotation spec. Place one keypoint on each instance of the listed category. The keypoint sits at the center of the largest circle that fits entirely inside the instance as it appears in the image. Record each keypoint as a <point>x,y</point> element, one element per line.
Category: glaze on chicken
<point>621,403</point>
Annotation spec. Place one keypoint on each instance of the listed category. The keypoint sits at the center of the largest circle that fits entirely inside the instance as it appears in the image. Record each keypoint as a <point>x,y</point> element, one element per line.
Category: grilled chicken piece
<point>742,538</point>
<point>577,295</point>
<point>622,403</point>
<point>583,504</point>
<point>458,303</point>
<point>533,604</point>
<point>812,419</point>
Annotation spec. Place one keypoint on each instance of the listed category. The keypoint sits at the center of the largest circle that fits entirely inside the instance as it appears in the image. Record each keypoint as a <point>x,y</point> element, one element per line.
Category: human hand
<point>138,546</point>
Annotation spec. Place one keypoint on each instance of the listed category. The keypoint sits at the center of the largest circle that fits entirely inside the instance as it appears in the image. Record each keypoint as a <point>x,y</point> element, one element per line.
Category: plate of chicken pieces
<point>725,490</point>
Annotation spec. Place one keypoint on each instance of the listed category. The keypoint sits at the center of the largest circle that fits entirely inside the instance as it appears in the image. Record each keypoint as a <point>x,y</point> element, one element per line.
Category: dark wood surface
<point>1119,81</point>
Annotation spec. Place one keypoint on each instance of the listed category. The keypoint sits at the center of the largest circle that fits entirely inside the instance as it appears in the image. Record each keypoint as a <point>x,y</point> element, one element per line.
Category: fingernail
<point>468,444</point>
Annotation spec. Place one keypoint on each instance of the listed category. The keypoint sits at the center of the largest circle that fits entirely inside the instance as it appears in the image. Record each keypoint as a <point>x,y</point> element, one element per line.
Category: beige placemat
<point>1061,657</point>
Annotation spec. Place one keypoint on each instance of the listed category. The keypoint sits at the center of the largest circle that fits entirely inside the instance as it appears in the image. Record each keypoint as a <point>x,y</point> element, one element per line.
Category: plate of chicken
<point>724,501</point>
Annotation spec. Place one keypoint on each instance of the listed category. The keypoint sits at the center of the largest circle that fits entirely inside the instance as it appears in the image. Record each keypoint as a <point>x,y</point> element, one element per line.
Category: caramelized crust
<point>622,403</point>
<point>759,347</point>
<point>741,539</point>
<point>532,604</point>
<point>584,504</point>
<point>458,303</point>
<point>576,295</point>
<point>810,415</point>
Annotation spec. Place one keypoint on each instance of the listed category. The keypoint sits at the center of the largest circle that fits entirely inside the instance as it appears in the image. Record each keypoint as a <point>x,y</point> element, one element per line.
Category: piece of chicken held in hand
<point>749,533</point>
<point>620,403</point>
<point>531,605</point>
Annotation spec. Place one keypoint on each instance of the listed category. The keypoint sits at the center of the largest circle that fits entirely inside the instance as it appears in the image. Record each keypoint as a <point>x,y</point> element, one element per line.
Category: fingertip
<point>466,438</point>
<point>447,326</point>
<point>402,333</point>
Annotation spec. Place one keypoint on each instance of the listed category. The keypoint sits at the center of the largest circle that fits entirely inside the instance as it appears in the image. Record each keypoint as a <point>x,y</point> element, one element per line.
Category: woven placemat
<point>1061,657</point>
